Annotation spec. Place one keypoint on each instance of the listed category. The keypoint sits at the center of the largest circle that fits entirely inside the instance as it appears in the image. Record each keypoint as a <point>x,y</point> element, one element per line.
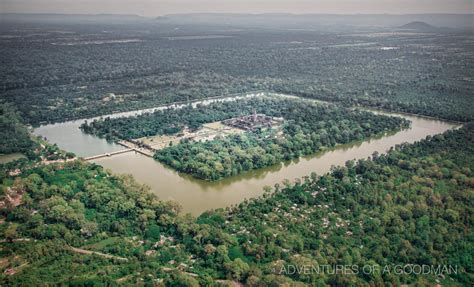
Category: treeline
<point>308,128</point>
<point>173,120</point>
<point>411,206</point>
<point>420,105</point>
<point>14,136</point>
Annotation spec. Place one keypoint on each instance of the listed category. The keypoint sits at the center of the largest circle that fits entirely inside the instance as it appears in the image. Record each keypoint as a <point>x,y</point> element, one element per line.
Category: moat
<point>195,195</point>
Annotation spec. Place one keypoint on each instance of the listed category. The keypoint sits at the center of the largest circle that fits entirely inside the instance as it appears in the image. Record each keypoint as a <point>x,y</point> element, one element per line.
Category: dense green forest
<point>308,128</point>
<point>411,206</point>
<point>57,72</point>
<point>14,136</point>
<point>173,120</point>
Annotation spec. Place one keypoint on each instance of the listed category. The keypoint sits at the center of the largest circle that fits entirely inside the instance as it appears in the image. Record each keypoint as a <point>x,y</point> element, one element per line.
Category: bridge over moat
<point>145,152</point>
<point>108,154</point>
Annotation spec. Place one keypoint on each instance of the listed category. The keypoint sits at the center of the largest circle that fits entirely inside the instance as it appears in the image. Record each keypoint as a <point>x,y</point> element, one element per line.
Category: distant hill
<point>312,21</point>
<point>418,25</point>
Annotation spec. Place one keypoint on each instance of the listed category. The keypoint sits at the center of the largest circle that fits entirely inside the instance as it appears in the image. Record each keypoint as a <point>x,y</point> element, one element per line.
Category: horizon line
<point>237,13</point>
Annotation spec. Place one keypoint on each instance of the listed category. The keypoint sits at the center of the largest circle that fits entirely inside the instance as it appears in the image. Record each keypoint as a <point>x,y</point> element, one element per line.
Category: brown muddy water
<point>196,196</point>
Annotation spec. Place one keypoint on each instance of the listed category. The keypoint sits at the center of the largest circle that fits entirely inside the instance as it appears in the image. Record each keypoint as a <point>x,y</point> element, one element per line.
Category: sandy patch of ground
<point>208,132</point>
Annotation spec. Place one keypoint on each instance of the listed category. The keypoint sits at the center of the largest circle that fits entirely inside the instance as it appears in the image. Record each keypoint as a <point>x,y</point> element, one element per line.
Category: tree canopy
<point>14,136</point>
<point>410,206</point>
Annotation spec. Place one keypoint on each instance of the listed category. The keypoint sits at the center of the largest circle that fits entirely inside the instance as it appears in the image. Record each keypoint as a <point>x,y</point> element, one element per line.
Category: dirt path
<point>76,250</point>
<point>89,252</point>
<point>15,240</point>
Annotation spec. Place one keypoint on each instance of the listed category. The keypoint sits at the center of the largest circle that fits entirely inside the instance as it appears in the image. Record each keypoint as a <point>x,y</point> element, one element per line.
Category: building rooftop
<point>252,122</point>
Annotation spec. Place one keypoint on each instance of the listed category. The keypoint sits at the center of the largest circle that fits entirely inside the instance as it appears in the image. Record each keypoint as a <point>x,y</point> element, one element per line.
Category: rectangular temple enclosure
<point>253,122</point>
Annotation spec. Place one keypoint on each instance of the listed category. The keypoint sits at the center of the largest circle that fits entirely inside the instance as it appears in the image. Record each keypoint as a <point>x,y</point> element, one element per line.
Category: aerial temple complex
<point>253,122</point>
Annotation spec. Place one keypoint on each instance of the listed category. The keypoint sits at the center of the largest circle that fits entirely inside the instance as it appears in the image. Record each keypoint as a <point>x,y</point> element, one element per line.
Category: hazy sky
<point>161,7</point>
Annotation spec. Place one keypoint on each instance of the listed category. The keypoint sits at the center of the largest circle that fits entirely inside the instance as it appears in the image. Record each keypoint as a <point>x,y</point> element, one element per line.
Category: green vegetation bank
<point>411,206</point>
